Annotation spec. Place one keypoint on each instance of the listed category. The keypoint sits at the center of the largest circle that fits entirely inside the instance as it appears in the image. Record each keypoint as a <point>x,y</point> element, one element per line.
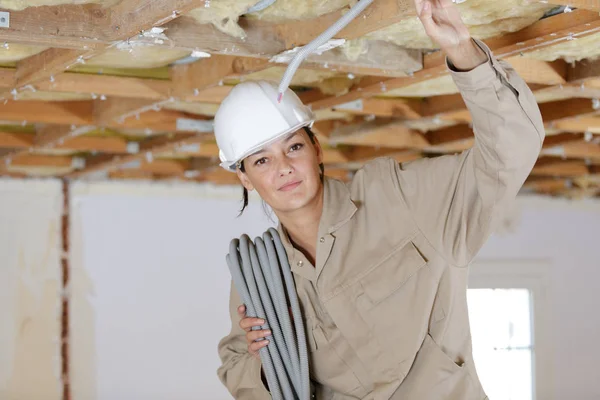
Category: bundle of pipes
<point>257,269</point>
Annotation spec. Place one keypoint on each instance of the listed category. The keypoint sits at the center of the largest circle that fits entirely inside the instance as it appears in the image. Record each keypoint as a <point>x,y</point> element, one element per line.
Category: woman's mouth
<point>290,186</point>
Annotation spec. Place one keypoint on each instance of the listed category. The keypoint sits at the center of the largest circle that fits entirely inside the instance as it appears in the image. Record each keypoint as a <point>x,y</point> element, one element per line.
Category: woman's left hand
<point>443,24</point>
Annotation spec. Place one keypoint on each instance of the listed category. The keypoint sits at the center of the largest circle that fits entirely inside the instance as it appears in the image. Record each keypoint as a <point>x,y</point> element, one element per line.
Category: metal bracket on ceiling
<point>4,19</point>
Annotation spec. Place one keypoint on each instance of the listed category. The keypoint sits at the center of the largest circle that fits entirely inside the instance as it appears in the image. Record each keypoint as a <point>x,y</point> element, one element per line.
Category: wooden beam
<point>376,133</point>
<point>204,73</point>
<point>129,17</point>
<point>541,34</point>
<point>119,22</point>
<point>539,72</point>
<point>397,108</point>
<point>81,112</point>
<point>79,27</point>
<point>547,185</point>
<point>59,113</point>
<point>579,124</point>
<point>38,160</point>
<point>47,63</point>
<point>13,140</point>
<point>567,168</point>
<point>148,149</point>
<point>557,110</point>
<point>593,5</point>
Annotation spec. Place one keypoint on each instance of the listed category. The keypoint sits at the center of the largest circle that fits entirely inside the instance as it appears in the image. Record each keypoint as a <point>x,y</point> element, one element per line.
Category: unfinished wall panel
<point>150,288</point>
<point>30,289</point>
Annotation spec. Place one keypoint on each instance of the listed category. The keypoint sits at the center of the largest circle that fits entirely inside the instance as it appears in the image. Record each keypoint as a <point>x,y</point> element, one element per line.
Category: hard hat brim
<point>232,165</point>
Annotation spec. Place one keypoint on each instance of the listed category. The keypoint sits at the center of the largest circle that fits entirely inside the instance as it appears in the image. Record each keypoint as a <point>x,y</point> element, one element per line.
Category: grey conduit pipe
<point>257,269</point>
<point>318,41</point>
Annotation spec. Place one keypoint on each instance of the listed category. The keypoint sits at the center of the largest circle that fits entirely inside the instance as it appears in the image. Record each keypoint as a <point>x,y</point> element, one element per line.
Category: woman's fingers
<point>249,322</point>
<point>255,347</point>
<point>254,335</point>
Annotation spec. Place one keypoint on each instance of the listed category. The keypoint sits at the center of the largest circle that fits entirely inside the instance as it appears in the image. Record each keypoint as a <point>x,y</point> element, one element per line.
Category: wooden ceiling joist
<point>88,22</point>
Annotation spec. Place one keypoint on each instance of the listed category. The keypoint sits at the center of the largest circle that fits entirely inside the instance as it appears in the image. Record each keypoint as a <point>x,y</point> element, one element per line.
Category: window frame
<point>533,275</point>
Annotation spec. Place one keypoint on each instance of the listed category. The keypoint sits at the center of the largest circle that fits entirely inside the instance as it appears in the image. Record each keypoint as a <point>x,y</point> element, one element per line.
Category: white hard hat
<point>250,118</point>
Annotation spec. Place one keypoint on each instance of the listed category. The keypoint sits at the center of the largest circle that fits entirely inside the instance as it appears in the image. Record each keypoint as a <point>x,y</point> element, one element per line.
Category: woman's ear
<point>244,179</point>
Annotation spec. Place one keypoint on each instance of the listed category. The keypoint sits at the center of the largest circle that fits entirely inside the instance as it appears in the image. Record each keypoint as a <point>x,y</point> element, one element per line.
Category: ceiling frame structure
<point>134,127</point>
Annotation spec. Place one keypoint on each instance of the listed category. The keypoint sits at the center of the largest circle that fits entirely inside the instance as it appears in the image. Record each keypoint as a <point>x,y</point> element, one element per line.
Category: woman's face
<point>285,174</point>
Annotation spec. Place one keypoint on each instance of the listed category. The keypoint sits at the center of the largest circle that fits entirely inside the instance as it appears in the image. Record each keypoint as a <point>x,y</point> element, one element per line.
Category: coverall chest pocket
<point>326,364</point>
<point>394,299</point>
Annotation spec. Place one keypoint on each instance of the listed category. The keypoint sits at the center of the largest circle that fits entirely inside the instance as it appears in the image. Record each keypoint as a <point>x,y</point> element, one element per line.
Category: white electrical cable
<point>320,40</point>
<point>261,5</point>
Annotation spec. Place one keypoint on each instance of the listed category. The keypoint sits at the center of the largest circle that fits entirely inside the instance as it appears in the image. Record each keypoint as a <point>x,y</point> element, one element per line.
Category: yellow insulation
<point>12,52</point>
<point>23,4</point>
<point>224,14</point>
<point>570,50</point>
<point>485,18</point>
<point>51,96</point>
<point>137,56</point>
<point>432,87</point>
<point>208,109</point>
<point>329,82</point>
<point>283,10</point>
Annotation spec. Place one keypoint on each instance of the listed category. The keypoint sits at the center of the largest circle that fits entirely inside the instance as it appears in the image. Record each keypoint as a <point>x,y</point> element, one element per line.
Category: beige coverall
<point>385,305</point>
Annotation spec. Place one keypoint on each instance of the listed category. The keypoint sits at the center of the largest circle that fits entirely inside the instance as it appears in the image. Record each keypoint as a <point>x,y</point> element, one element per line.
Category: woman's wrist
<point>466,55</point>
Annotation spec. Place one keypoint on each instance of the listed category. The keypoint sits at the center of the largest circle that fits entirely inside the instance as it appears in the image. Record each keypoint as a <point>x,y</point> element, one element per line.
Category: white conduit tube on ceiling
<point>320,40</point>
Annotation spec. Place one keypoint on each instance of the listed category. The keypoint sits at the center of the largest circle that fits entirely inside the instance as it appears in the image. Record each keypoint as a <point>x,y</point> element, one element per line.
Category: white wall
<point>566,235</point>
<point>150,286</point>
<point>30,290</point>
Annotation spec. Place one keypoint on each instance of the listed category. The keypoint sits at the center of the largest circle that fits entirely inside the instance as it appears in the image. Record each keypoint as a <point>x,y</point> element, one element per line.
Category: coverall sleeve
<point>456,200</point>
<point>239,371</point>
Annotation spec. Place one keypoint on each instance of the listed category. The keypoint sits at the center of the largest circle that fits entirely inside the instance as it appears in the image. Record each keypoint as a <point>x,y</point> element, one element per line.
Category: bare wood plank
<point>109,144</point>
<point>107,86</point>
<point>129,17</point>
<point>547,185</point>
<point>161,144</point>
<point>107,112</point>
<point>59,113</point>
<point>568,168</point>
<point>165,167</point>
<point>450,134</point>
<point>70,26</point>
<point>81,113</point>
<point>593,5</point>
<point>398,108</point>
<point>13,140</point>
<point>557,110</point>
<point>579,124</point>
<point>375,133</point>
<point>48,62</point>
<point>38,160</point>
<point>540,72</point>
<point>204,73</point>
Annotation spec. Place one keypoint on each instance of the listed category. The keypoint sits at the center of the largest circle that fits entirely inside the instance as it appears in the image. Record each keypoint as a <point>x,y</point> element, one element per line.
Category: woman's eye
<point>296,146</point>
<point>260,161</point>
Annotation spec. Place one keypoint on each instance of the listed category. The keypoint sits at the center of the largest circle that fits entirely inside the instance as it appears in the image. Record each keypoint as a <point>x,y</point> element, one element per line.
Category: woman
<point>381,264</point>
